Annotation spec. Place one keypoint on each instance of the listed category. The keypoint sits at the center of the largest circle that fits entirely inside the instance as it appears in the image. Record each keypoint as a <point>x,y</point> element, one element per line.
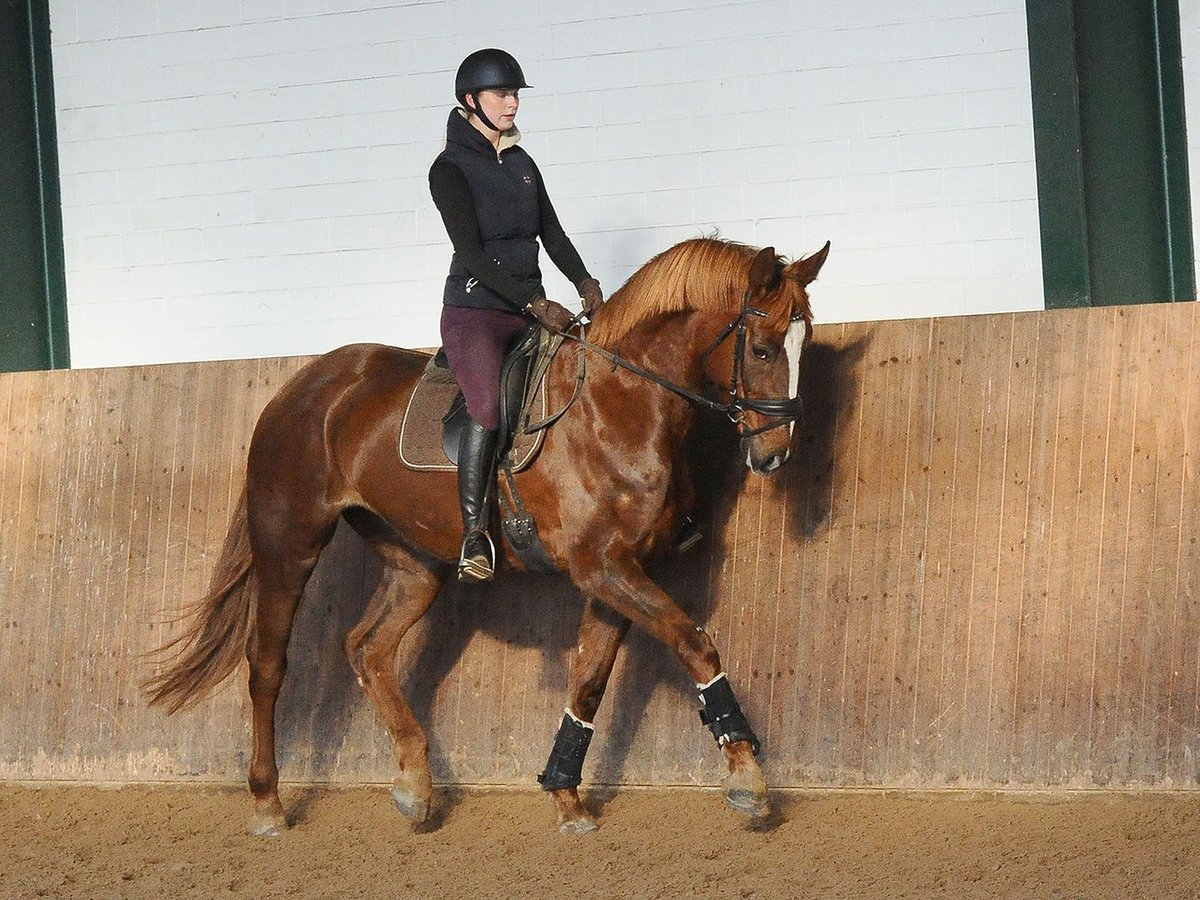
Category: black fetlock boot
<point>476,471</point>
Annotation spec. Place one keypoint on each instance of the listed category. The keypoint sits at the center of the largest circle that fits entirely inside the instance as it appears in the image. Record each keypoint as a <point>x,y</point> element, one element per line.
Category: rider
<point>494,206</point>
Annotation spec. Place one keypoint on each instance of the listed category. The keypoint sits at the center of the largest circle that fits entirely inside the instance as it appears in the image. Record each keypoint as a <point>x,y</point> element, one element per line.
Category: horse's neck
<point>665,347</point>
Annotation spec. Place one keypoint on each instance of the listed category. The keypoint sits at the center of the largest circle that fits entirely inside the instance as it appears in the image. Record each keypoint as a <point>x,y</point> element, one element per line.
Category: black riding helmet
<point>483,70</point>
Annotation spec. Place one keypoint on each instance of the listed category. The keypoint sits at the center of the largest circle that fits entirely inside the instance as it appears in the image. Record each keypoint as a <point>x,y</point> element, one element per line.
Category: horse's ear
<point>805,270</point>
<point>762,270</point>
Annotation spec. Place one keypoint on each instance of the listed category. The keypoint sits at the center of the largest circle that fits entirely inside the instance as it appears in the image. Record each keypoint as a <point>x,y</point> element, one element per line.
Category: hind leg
<point>267,654</point>
<point>600,636</point>
<point>406,591</point>
<point>284,559</point>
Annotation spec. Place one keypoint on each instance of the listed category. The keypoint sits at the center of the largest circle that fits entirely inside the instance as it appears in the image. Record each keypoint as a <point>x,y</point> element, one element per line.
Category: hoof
<point>268,819</point>
<point>746,792</point>
<point>585,825</point>
<point>573,817</point>
<point>266,826</point>
<point>412,792</point>
<point>748,803</point>
<point>412,807</point>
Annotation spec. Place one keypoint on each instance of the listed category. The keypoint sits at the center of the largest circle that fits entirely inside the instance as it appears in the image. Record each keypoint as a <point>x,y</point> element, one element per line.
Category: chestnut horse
<point>608,491</point>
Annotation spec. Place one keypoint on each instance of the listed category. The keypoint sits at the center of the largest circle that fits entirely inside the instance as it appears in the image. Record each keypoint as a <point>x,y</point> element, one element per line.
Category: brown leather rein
<point>784,409</point>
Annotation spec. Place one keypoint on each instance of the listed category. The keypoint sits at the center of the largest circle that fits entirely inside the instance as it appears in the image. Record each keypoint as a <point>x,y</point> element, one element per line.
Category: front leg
<point>623,585</point>
<point>600,636</point>
<point>745,788</point>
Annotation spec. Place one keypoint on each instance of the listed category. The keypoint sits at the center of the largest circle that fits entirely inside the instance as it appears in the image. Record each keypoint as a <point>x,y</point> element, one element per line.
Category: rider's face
<point>499,105</point>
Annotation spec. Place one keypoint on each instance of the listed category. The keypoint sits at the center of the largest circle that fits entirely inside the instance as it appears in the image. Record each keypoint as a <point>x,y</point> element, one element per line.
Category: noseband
<point>783,409</point>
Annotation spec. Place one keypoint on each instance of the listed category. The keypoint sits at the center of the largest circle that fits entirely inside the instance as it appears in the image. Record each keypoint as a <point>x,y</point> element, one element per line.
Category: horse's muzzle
<point>766,463</point>
<point>770,464</point>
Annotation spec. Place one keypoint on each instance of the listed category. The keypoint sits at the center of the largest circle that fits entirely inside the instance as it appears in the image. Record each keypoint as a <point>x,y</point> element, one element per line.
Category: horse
<point>608,490</point>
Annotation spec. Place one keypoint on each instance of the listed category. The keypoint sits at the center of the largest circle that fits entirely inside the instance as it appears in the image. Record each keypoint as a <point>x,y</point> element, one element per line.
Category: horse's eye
<point>761,352</point>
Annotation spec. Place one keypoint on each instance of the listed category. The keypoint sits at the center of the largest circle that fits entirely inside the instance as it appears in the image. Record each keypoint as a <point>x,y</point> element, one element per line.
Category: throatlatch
<point>723,716</point>
<point>564,769</point>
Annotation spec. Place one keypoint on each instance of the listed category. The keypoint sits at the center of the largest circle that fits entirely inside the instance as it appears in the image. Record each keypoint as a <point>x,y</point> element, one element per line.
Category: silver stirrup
<point>471,570</point>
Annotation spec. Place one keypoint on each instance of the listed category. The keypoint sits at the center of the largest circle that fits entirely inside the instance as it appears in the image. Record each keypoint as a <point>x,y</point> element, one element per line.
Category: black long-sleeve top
<point>495,206</point>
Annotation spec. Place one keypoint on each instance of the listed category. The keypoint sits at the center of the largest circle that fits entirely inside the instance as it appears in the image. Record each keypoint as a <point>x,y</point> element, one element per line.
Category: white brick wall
<point>250,179</point>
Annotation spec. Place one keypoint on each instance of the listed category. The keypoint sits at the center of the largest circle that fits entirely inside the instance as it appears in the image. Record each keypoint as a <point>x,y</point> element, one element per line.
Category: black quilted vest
<point>505,191</point>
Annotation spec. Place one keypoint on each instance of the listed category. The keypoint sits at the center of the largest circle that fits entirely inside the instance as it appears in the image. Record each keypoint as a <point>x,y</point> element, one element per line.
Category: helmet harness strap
<point>478,110</point>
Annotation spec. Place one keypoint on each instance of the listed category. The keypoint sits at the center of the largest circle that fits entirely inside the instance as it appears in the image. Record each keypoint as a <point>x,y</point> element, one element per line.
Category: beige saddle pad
<point>421,429</point>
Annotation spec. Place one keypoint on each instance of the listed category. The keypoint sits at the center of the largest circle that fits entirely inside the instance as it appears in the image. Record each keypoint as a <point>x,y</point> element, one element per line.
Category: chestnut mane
<point>697,274</point>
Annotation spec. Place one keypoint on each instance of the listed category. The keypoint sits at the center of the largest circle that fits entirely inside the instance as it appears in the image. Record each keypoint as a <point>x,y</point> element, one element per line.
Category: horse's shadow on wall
<point>321,698</point>
<point>829,383</point>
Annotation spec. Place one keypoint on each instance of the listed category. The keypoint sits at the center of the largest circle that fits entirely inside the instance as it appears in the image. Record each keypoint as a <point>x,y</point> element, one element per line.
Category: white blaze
<point>793,343</point>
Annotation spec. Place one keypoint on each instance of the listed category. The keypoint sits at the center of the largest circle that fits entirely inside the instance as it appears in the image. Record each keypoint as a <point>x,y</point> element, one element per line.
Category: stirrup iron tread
<point>472,568</point>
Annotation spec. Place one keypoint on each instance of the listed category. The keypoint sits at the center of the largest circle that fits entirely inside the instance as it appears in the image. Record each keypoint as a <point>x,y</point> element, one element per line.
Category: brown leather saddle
<point>437,413</point>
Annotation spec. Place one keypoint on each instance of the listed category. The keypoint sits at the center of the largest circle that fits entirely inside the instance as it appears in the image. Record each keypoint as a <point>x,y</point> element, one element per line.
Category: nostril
<point>766,464</point>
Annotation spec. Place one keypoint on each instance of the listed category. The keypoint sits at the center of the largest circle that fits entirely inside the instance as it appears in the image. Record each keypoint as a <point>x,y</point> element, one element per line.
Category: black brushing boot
<point>476,471</point>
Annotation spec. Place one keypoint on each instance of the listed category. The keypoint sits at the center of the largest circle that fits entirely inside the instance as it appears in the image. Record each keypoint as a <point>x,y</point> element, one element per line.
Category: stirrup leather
<point>478,566</point>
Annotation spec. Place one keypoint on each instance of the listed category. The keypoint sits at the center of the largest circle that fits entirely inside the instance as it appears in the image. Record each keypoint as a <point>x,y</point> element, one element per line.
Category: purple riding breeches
<point>476,342</point>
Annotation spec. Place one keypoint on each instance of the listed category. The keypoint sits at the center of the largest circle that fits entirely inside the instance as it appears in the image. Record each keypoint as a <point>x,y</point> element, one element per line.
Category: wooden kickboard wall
<point>979,570</point>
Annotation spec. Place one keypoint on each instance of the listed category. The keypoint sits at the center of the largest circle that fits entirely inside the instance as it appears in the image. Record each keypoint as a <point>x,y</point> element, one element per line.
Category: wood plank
<point>935,706</point>
<point>1039,633</point>
<point>1007,641</point>
<point>1181,562</point>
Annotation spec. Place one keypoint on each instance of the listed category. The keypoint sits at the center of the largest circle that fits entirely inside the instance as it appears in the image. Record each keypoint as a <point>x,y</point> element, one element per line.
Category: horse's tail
<point>222,622</point>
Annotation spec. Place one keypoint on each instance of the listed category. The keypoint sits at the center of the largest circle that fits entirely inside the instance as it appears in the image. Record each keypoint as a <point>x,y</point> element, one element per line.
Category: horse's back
<point>353,381</point>
<point>350,367</point>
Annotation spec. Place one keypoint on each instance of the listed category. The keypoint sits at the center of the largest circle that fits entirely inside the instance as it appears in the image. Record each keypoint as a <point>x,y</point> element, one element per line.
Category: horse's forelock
<point>787,302</point>
<point>798,306</point>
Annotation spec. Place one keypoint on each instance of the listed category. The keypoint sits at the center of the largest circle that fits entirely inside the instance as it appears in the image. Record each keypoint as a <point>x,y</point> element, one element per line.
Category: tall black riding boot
<point>476,471</point>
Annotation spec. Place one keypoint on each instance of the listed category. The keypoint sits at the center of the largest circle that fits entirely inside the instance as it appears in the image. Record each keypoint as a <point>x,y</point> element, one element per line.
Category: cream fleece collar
<point>509,138</point>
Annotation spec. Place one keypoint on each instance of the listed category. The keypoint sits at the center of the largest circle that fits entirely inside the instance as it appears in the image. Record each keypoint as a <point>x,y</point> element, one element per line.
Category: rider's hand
<point>591,295</point>
<point>551,315</point>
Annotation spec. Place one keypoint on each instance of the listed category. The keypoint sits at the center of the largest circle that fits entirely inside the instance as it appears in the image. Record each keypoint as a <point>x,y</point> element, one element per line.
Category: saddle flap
<point>435,415</point>
<point>514,383</point>
<point>453,423</point>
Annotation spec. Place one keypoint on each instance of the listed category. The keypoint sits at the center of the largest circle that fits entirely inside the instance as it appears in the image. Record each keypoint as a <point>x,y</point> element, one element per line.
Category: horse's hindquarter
<point>327,442</point>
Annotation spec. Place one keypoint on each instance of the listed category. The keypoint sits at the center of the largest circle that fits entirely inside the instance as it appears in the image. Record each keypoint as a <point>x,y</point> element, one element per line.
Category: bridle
<point>784,410</point>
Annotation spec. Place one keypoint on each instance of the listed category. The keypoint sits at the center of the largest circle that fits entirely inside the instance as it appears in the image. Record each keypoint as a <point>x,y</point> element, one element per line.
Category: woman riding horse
<point>608,489</point>
<point>702,320</point>
<point>494,204</point>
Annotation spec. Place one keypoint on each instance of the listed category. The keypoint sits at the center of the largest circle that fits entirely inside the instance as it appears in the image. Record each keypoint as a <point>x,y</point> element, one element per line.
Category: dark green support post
<point>33,304</point>
<point>1058,150</point>
<point>1180,246</point>
<point>1111,149</point>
